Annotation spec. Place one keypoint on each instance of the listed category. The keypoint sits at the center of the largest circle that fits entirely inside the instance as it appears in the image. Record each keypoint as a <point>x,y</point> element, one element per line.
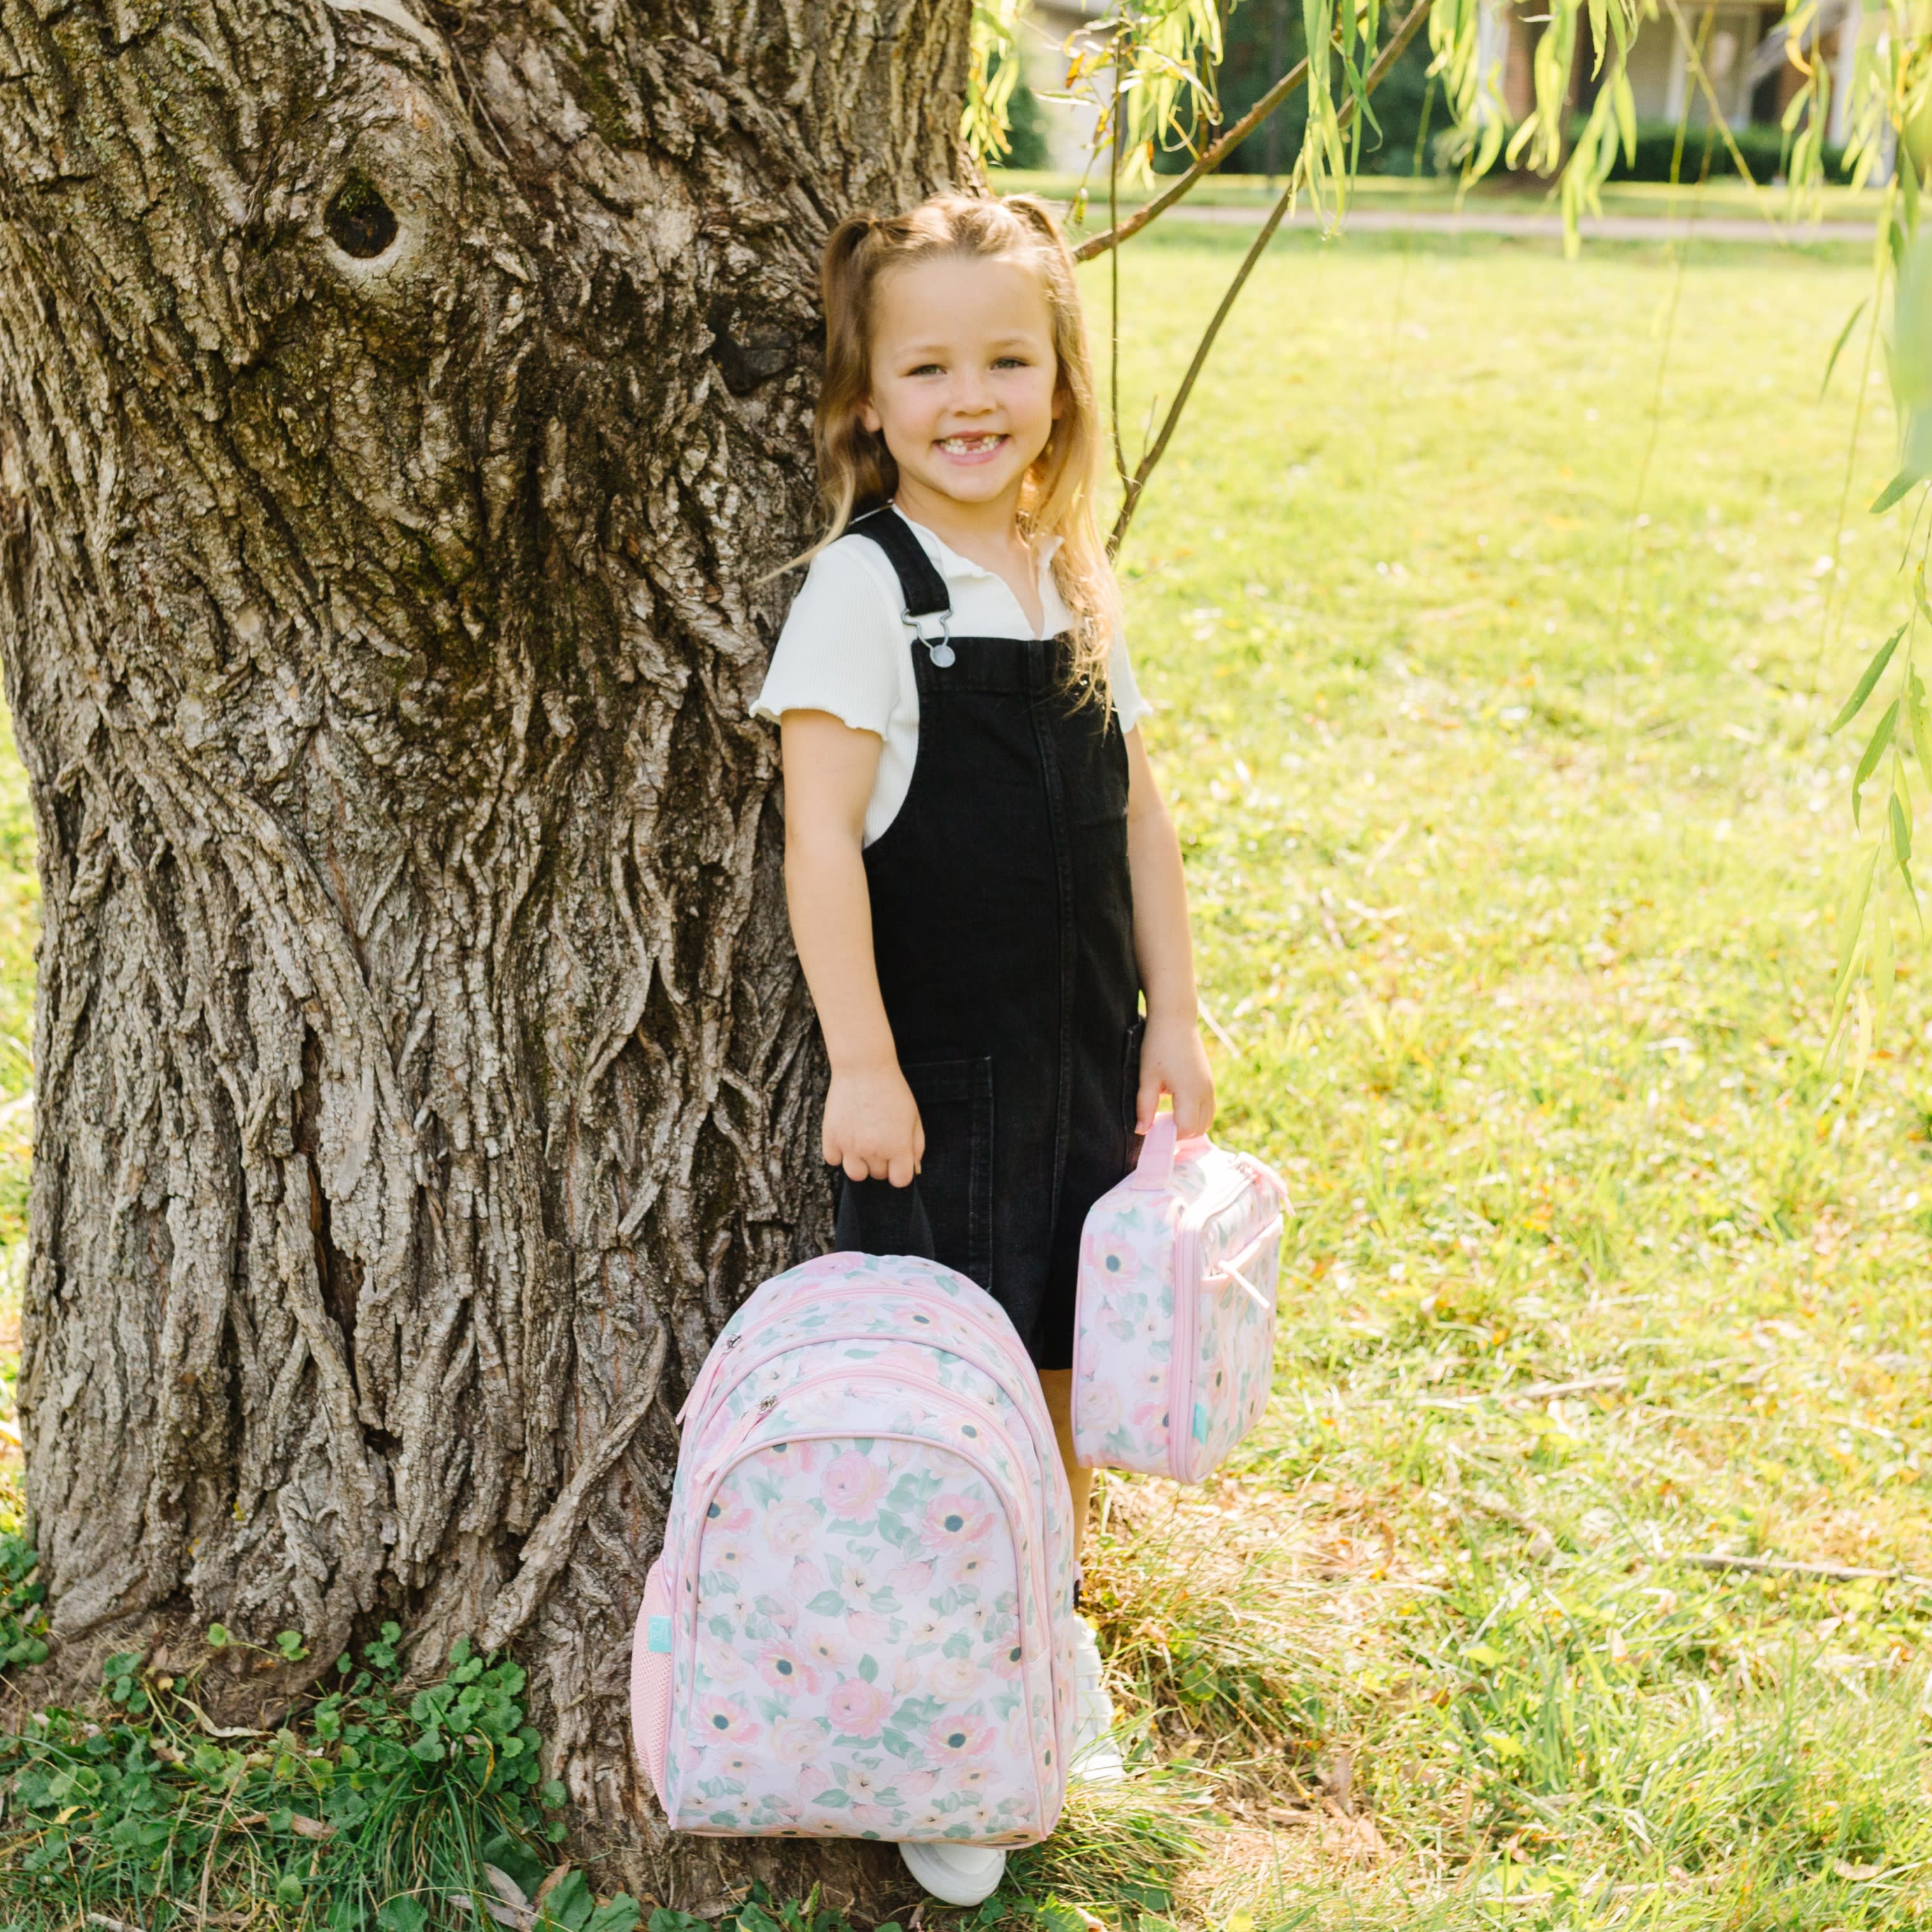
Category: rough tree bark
<point>400,406</point>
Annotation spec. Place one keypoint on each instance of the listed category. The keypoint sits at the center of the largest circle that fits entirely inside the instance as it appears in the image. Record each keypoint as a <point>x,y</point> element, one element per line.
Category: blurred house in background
<point>1048,30</point>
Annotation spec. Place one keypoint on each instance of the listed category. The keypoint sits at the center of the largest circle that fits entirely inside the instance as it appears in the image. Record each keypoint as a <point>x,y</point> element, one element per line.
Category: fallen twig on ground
<point>1779,1566</point>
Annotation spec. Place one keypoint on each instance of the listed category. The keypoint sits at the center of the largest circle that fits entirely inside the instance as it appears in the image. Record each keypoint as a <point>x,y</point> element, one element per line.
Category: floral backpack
<point>861,1624</point>
<point>1173,1331</point>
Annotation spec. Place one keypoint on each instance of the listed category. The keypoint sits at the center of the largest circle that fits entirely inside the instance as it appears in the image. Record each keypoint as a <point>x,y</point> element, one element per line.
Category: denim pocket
<point>1094,755</point>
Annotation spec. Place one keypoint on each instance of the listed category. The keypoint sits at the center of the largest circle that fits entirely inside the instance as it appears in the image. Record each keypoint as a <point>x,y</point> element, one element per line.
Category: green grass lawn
<point>1484,596</point>
<point>1493,666</point>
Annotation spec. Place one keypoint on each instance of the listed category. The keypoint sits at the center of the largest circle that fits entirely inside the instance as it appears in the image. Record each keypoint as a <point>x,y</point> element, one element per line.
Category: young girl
<point>983,881</point>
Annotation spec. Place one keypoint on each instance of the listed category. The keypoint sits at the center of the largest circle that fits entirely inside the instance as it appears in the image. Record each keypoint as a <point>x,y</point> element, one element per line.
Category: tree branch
<point>1211,158</point>
<point>1225,145</point>
<point>1383,60</point>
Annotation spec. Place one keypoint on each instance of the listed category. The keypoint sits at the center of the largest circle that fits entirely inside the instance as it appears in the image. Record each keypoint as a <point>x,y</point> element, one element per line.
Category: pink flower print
<point>859,1582</point>
<point>785,1667</point>
<point>916,1783</point>
<point>926,1629</point>
<point>906,1676</point>
<point>1099,1404</point>
<point>951,1520</point>
<point>858,1709</point>
<point>1113,1260</point>
<point>781,1610</point>
<point>955,1677</point>
<point>912,1578</point>
<point>1007,1659</point>
<point>1150,1414</point>
<point>725,1511</point>
<point>722,1664</point>
<point>791,1527</point>
<point>875,1818</point>
<point>720,1721</point>
<point>807,1579</point>
<point>730,1603</point>
<point>725,1554</point>
<point>795,1459</point>
<point>737,1766</point>
<point>967,1567</point>
<point>959,1738</point>
<point>825,1649</point>
<point>863,1626</point>
<point>796,1739</point>
<point>852,1483</point>
<point>1154,1379</point>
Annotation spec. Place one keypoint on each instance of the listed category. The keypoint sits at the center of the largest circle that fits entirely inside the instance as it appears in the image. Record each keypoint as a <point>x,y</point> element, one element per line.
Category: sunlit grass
<point>1493,666</point>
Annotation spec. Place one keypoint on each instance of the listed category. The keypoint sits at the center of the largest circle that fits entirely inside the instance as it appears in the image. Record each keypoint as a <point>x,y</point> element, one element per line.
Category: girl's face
<point>963,374</point>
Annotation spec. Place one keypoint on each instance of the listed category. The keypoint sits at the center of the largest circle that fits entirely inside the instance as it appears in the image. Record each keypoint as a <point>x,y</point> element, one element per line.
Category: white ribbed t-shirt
<point>847,648</point>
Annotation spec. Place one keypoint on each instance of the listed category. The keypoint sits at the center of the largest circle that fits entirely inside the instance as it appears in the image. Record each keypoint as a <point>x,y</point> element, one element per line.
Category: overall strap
<point>920,584</point>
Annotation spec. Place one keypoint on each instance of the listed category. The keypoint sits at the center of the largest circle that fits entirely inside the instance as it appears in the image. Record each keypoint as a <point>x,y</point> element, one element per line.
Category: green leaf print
<point>869,1668</point>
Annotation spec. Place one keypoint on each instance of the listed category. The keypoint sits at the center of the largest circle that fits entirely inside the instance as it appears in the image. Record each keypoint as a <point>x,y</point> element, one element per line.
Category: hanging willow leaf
<point>1921,721</point>
<point>1838,347</point>
<point>1899,812</point>
<point>1851,923</point>
<point>1874,751</point>
<point>1624,102</point>
<point>1883,967</point>
<point>1862,689</point>
<point>1854,965</point>
<point>1893,491</point>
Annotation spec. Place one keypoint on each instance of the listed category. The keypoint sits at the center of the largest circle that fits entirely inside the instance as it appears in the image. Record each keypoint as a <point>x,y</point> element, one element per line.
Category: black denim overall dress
<point>1002,926</point>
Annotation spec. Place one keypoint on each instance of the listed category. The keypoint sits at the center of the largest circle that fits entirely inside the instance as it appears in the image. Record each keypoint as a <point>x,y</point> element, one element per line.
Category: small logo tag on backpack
<point>658,1636</point>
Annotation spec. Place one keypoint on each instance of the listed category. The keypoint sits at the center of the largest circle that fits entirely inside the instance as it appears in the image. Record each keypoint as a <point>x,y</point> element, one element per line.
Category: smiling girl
<point>984,884</point>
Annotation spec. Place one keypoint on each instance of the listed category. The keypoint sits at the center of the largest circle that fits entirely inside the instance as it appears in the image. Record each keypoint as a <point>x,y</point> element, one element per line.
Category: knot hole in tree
<point>359,221</point>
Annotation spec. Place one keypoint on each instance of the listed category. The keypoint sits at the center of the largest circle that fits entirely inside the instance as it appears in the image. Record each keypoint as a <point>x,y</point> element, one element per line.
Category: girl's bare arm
<point>1172,1059</point>
<point>872,1127</point>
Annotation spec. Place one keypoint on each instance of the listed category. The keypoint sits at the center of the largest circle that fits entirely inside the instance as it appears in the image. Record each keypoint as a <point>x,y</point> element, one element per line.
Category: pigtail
<point>856,470</point>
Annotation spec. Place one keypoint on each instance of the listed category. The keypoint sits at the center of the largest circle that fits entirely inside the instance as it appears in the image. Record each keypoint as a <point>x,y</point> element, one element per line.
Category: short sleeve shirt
<point>846,649</point>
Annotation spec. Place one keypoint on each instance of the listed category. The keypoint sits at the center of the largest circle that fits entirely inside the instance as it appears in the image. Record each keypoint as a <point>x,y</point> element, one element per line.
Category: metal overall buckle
<point>939,647</point>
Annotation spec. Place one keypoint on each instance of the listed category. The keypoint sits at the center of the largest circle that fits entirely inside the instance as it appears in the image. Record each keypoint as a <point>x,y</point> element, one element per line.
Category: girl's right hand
<point>872,1128</point>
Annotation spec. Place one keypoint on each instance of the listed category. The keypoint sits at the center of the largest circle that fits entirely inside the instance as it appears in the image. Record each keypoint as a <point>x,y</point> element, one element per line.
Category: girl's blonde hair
<point>856,470</point>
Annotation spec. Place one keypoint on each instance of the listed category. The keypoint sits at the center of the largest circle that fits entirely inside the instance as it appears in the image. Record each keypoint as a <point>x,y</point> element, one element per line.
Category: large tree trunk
<point>400,407</point>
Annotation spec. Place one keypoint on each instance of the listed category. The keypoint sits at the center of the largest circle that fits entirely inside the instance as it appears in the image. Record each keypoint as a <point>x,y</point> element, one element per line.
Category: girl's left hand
<point>1173,1061</point>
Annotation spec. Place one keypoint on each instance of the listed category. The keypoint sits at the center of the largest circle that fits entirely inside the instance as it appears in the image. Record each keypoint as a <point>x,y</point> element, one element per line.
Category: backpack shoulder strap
<point>921,585</point>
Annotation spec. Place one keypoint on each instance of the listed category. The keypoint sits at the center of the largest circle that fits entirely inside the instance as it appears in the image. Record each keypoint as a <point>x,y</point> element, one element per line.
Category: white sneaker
<point>1097,1757</point>
<point>957,1874</point>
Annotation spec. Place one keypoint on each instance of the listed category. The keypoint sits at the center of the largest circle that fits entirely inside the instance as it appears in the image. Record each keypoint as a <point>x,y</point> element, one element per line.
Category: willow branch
<point>1218,150</point>
<point>1212,156</point>
<point>1383,60</point>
